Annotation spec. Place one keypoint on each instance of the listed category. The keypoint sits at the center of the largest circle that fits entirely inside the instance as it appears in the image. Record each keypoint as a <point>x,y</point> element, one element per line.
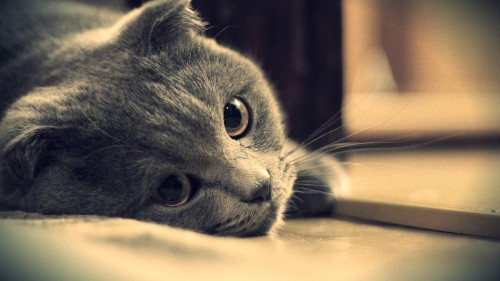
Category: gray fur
<point>99,106</point>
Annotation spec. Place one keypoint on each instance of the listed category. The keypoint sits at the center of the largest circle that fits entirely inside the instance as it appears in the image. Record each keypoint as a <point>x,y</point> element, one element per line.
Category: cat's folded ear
<point>159,24</point>
<point>26,153</point>
<point>21,157</point>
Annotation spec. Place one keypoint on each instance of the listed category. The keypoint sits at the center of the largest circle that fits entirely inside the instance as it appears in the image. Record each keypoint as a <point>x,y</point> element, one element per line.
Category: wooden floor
<point>313,249</point>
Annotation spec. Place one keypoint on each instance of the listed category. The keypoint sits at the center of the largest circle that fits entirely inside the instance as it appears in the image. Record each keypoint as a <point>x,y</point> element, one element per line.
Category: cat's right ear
<point>158,24</point>
<point>22,155</point>
<point>25,154</point>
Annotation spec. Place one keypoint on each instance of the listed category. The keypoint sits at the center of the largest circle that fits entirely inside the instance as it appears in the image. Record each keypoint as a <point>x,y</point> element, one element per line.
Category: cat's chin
<point>255,219</point>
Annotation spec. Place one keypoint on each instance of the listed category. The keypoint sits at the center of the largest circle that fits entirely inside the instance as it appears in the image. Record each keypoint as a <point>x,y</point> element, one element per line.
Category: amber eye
<point>174,190</point>
<point>236,117</point>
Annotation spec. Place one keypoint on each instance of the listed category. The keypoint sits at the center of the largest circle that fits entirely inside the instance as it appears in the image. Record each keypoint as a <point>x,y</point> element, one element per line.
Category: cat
<point>137,114</point>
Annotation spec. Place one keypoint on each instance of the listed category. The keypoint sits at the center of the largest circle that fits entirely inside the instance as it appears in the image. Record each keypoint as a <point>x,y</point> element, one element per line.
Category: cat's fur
<point>99,105</point>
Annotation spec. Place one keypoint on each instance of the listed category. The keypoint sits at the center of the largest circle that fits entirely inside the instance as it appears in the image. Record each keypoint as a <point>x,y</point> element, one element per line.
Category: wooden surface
<point>315,249</point>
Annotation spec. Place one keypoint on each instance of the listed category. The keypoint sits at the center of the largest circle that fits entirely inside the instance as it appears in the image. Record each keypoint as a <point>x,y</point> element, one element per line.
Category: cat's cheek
<point>56,190</point>
<point>284,193</point>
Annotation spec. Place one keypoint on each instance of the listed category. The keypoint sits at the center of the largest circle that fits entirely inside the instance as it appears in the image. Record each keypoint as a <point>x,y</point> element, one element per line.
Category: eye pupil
<point>236,118</point>
<point>232,116</point>
<point>171,189</point>
<point>174,190</point>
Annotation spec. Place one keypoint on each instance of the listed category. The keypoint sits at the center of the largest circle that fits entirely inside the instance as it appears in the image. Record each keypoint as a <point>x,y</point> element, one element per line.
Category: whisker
<point>112,147</point>
<point>314,173</point>
<point>292,202</point>
<point>306,190</point>
<point>337,147</point>
<point>408,102</point>
<point>373,165</point>
<point>322,130</point>
<point>220,32</point>
<point>99,128</point>
<point>342,148</point>
<point>310,184</point>
<point>409,146</point>
<point>317,138</point>
<point>292,209</point>
<point>313,137</point>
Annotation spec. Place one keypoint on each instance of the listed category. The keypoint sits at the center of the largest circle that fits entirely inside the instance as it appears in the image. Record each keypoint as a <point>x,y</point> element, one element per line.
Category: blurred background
<point>422,68</point>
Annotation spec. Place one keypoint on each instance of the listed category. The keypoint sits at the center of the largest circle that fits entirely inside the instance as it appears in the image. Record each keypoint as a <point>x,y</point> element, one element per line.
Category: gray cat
<point>139,115</point>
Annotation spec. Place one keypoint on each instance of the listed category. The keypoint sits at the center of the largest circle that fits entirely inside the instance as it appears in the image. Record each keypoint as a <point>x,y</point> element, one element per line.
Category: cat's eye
<point>236,117</point>
<point>174,190</point>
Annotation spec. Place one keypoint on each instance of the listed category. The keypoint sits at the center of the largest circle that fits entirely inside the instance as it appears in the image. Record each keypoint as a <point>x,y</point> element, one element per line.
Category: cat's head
<point>149,119</point>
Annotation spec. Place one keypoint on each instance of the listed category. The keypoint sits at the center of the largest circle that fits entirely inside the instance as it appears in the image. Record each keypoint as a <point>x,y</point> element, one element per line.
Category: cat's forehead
<point>174,101</point>
<point>208,71</point>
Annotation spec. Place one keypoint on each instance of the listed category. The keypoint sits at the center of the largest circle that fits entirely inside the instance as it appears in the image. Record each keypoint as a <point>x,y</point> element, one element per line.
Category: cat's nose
<point>249,181</point>
<point>261,193</point>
